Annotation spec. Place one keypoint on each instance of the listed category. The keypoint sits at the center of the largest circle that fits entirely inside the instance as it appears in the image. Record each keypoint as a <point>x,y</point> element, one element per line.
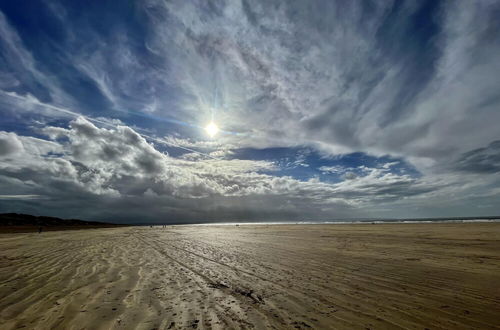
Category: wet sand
<point>386,276</point>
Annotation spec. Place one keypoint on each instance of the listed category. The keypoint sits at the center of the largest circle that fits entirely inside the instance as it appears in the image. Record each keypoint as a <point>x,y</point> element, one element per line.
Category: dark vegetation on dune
<point>15,222</point>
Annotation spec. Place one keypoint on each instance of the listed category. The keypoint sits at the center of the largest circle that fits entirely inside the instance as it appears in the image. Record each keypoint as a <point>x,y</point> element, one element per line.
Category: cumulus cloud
<point>9,144</point>
<point>118,164</point>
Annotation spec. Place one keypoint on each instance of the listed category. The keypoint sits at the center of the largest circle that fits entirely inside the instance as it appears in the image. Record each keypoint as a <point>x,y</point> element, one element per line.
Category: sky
<point>326,110</point>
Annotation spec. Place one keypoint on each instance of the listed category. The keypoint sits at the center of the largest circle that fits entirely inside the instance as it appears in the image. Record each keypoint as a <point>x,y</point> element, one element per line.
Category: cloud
<point>349,176</point>
<point>334,76</point>
<point>312,75</point>
<point>413,81</point>
<point>7,197</point>
<point>117,165</point>
<point>332,169</point>
<point>482,160</point>
<point>9,144</point>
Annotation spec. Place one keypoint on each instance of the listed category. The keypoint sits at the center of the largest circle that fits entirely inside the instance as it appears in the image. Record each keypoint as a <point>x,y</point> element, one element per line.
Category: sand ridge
<point>387,276</point>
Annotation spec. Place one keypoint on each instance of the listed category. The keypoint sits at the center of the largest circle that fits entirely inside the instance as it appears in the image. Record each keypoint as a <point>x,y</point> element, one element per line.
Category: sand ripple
<point>391,276</point>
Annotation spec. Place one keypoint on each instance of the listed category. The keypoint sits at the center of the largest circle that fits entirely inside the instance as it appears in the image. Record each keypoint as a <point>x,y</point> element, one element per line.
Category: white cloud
<point>119,164</point>
<point>333,169</point>
<point>9,144</point>
<point>285,85</point>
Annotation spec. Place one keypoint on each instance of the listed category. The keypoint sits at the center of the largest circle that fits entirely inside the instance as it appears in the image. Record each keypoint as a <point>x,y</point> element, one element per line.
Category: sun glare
<point>212,129</point>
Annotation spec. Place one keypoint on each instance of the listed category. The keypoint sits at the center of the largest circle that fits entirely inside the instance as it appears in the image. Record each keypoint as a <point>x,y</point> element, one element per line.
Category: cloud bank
<point>118,166</point>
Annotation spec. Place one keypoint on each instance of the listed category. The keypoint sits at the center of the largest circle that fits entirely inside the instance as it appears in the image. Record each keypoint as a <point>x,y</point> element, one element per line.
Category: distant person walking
<point>40,229</point>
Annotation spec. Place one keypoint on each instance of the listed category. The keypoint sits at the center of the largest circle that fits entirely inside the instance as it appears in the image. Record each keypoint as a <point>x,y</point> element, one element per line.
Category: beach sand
<point>384,276</point>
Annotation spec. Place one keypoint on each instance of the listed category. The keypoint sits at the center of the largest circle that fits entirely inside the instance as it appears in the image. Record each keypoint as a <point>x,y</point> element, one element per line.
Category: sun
<point>212,129</point>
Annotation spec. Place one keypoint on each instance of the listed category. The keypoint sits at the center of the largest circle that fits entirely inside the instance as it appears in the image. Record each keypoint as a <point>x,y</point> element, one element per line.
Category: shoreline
<point>34,229</point>
<point>374,222</point>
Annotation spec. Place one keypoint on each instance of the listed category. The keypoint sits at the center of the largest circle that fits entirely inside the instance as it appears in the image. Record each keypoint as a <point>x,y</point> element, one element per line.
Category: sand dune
<point>411,276</point>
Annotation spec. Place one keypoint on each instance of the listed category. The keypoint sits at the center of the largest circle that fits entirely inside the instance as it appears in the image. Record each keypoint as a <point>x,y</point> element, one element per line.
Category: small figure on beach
<point>40,229</point>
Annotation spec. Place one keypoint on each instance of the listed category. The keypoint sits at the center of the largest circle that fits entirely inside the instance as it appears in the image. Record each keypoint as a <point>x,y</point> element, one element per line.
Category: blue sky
<point>326,109</point>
